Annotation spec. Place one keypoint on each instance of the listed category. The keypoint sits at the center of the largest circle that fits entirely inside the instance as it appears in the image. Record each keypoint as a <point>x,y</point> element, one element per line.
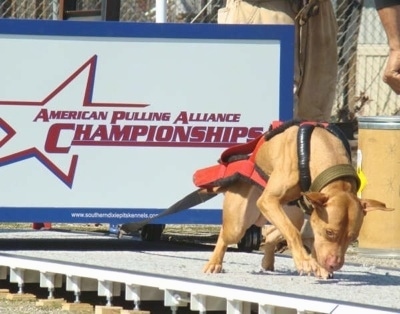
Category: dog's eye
<point>330,234</point>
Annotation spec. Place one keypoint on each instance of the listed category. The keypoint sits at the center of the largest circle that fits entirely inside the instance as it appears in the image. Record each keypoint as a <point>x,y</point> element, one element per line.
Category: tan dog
<point>337,213</point>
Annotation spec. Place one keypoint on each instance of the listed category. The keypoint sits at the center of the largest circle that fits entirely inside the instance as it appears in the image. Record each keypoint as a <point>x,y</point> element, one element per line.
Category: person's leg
<point>257,12</point>
<point>262,12</point>
<point>316,82</point>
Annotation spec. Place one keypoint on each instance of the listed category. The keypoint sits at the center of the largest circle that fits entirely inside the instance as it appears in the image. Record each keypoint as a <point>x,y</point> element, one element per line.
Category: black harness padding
<point>303,149</point>
<point>303,153</point>
<point>335,130</point>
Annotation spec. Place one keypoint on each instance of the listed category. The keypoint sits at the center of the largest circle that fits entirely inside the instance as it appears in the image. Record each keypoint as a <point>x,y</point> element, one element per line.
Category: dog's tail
<point>192,199</point>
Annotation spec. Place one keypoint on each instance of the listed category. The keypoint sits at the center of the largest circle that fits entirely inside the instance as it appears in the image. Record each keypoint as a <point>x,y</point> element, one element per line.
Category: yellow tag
<point>363,180</point>
<point>360,173</point>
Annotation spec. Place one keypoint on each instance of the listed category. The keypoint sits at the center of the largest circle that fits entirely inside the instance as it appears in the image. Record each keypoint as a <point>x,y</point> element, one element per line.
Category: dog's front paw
<point>310,266</point>
<point>212,268</point>
<point>324,274</point>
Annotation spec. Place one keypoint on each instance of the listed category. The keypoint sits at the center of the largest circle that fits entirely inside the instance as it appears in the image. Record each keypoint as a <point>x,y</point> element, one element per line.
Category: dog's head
<point>336,221</point>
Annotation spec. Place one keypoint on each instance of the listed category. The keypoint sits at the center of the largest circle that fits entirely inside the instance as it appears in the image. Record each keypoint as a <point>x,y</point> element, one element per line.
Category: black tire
<point>151,232</point>
<point>251,240</point>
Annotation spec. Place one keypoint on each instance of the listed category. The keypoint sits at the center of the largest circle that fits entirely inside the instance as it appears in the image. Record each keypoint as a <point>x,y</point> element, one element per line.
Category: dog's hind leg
<point>239,213</point>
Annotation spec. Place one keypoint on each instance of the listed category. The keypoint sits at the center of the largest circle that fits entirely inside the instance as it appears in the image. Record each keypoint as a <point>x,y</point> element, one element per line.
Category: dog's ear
<point>369,205</point>
<point>316,198</point>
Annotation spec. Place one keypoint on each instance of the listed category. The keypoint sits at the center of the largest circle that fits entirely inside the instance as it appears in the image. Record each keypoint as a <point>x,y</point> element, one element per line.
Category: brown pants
<point>315,49</point>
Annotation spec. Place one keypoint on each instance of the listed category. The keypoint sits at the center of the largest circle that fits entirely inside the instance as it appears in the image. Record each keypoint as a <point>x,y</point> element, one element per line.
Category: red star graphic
<point>35,152</point>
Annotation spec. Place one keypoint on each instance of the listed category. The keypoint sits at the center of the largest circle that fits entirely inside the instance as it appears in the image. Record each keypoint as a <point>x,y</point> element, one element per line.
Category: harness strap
<point>250,147</point>
<point>335,130</point>
<point>228,170</point>
<point>242,149</point>
<point>195,198</point>
<point>224,174</point>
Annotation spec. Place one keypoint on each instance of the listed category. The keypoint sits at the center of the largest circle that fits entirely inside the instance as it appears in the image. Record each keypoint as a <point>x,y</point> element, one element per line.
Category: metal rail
<point>140,286</point>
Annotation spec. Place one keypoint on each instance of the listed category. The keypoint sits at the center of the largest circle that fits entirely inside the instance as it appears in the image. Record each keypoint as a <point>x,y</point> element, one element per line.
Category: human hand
<point>391,74</point>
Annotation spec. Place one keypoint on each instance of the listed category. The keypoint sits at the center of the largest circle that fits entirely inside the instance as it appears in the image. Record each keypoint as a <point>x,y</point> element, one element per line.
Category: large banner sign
<point>108,121</point>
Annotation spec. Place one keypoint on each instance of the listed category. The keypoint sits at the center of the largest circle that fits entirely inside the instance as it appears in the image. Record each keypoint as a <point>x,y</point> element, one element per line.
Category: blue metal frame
<point>65,214</point>
<point>282,33</point>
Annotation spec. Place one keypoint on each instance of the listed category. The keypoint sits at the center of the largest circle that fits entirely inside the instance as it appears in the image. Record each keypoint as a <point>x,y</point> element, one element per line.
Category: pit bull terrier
<point>336,213</point>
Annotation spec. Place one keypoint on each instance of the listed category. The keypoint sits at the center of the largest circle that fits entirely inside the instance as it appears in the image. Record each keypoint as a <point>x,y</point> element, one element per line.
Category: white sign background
<point>172,75</point>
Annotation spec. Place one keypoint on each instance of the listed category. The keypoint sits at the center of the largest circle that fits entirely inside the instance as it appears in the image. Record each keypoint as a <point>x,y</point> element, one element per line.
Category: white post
<point>161,11</point>
<point>55,8</point>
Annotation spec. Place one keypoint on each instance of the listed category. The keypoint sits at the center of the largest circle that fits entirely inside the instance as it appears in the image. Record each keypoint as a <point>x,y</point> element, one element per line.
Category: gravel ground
<point>209,234</point>
<point>360,272</point>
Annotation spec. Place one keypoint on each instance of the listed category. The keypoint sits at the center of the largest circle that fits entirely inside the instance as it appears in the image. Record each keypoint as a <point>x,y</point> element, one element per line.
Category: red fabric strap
<point>213,176</point>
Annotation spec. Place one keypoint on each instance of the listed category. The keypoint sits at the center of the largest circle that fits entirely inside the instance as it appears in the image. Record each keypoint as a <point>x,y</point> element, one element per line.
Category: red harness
<point>213,176</point>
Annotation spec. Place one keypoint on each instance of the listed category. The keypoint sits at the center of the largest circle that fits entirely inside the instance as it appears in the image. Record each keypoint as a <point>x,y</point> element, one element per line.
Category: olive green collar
<point>324,178</point>
<point>333,173</point>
